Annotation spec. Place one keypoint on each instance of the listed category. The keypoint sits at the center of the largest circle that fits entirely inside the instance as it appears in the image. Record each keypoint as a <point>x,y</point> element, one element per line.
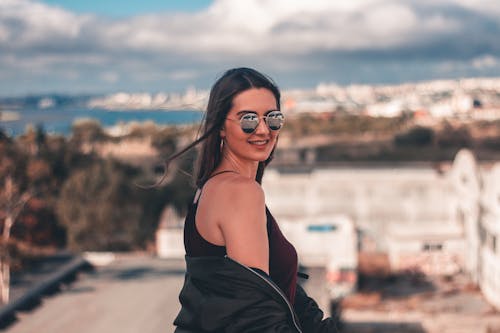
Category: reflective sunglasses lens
<point>249,123</point>
<point>275,120</point>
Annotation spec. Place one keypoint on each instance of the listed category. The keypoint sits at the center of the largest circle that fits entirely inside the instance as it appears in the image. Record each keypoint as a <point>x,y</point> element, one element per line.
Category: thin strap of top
<point>198,192</point>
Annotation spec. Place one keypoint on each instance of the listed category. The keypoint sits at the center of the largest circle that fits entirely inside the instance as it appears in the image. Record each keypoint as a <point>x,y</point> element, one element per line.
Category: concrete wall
<point>324,240</point>
<point>464,178</point>
<point>489,236</point>
<point>437,251</point>
<point>373,197</point>
<point>477,198</point>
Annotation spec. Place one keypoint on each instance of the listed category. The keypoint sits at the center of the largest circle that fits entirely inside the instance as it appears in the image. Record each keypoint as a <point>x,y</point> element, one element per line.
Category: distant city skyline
<point>68,47</point>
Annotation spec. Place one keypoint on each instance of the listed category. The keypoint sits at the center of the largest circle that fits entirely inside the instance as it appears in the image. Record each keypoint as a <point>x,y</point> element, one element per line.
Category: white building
<point>375,197</point>
<point>477,197</point>
<point>320,240</point>
<point>489,236</point>
<point>169,235</point>
<point>439,220</point>
<point>466,191</point>
<point>477,191</point>
<point>433,251</point>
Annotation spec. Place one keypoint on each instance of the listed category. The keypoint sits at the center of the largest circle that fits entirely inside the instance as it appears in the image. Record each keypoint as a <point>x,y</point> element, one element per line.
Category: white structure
<point>406,210</point>
<point>466,190</point>
<point>322,240</point>
<point>434,251</point>
<point>374,197</point>
<point>489,236</point>
<point>169,235</point>
<point>437,220</point>
<point>477,191</point>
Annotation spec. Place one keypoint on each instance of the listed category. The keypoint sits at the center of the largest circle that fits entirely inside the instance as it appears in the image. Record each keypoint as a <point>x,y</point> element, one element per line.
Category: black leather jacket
<point>222,295</point>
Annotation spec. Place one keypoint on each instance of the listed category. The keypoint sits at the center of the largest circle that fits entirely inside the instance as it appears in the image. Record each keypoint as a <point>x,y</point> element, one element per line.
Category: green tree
<point>178,191</point>
<point>86,133</point>
<point>165,141</point>
<point>99,208</point>
<point>13,198</point>
<point>12,202</point>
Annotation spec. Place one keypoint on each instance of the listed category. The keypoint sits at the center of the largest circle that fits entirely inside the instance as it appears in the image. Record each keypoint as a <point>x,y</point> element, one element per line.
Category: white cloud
<point>110,77</point>
<point>284,35</point>
<point>488,7</point>
<point>4,33</point>
<point>28,22</point>
<point>228,27</point>
<point>485,62</point>
<point>253,26</point>
<point>183,74</point>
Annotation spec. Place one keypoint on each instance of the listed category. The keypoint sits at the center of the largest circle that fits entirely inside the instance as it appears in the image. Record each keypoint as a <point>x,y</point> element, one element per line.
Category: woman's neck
<point>245,168</point>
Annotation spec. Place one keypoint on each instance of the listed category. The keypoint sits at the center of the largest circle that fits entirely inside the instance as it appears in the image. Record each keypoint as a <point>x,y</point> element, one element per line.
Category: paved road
<point>133,294</point>
<point>136,294</point>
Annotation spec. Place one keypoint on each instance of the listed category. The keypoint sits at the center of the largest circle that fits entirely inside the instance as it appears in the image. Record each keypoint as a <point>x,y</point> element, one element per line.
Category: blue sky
<point>80,47</point>
<point>121,8</point>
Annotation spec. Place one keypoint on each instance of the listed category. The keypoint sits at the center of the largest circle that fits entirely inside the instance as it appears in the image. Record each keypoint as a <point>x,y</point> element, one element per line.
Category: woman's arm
<point>243,222</point>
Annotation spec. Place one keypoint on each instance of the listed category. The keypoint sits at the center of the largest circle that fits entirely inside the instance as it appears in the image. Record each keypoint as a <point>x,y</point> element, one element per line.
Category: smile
<point>259,142</point>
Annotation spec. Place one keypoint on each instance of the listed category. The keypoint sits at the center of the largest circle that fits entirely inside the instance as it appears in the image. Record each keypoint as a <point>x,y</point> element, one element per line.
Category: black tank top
<point>282,255</point>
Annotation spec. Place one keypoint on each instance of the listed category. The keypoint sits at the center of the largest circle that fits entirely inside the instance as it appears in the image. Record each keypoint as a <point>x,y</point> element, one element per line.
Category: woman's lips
<point>259,142</point>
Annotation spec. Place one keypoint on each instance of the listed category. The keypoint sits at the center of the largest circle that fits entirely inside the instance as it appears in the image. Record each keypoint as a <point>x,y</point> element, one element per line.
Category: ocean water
<point>60,120</point>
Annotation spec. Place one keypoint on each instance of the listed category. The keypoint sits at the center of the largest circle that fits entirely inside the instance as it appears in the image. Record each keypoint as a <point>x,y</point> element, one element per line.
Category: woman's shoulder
<point>235,187</point>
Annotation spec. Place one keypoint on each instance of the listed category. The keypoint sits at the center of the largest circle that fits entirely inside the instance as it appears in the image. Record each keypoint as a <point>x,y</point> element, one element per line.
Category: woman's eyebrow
<point>251,111</point>
<point>269,111</point>
<point>245,112</point>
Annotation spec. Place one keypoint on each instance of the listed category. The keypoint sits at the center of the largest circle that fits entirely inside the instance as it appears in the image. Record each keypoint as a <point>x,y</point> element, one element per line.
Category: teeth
<point>258,142</point>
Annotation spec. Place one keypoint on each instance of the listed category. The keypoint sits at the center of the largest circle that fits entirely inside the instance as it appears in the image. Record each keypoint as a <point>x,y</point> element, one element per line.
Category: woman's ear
<point>222,132</point>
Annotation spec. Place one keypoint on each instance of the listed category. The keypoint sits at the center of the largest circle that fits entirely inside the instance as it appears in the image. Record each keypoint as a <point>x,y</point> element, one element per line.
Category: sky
<point>121,8</point>
<point>98,47</point>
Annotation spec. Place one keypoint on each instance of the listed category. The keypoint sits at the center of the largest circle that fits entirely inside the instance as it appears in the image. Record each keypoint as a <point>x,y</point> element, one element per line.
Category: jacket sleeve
<point>310,315</point>
<point>265,316</point>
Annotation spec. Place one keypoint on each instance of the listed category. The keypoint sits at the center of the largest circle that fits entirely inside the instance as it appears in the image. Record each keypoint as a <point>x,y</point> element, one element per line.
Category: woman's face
<point>255,146</point>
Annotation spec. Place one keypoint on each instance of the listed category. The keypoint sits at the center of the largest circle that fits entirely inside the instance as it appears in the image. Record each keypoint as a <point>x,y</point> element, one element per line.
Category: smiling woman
<point>241,270</point>
<point>126,8</point>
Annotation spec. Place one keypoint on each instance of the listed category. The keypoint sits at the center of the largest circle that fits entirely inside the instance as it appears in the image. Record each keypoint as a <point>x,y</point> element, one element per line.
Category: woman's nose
<point>262,127</point>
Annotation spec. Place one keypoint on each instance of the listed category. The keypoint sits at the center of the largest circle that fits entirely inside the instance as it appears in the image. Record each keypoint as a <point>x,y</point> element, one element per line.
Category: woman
<point>241,272</point>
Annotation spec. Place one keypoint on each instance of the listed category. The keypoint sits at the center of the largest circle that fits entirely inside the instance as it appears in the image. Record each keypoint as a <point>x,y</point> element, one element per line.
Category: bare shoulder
<point>241,218</point>
<point>231,197</point>
<point>232,188</point>
<point>238,190</point>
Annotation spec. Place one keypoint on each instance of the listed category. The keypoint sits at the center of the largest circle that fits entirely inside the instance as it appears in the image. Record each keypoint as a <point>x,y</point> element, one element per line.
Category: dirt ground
<point>410,302</point>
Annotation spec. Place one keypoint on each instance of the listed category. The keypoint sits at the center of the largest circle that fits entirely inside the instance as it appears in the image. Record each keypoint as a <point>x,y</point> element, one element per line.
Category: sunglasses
<point>249,121</point>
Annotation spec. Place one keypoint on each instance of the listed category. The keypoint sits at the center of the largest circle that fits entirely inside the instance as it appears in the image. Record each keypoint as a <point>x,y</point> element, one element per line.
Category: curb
<point>50,285</point>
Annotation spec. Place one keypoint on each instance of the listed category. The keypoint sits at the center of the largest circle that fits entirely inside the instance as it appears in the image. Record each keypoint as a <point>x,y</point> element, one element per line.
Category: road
<point>135,293</point>
<point>132,294</point>
<point>138,293</point>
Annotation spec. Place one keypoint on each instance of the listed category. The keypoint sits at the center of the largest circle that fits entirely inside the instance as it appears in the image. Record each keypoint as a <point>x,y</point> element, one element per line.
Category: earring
<point>221,143</point>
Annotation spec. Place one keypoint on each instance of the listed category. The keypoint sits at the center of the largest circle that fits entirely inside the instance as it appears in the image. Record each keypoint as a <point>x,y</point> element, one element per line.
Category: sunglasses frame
<point>272,113</point>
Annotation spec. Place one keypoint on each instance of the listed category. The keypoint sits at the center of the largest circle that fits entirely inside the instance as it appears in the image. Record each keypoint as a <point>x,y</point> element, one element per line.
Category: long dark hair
<point>230,84</point>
